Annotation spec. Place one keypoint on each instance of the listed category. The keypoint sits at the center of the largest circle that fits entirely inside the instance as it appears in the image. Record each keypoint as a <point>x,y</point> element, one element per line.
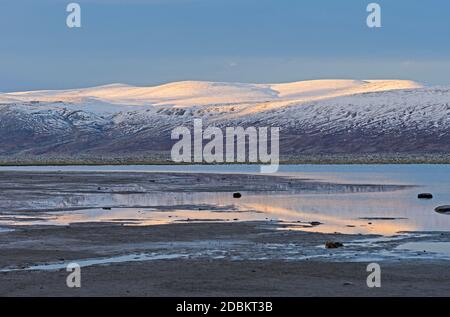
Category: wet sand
<point>197,270</point>
<point>189,258</point>
<point>224,278</point>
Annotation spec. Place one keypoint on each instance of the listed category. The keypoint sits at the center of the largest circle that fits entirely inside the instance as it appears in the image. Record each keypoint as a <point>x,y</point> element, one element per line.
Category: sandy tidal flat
<point>151,234</point>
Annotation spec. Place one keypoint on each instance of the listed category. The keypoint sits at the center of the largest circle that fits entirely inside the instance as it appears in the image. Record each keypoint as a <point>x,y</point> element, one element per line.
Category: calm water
<point>380,212</point>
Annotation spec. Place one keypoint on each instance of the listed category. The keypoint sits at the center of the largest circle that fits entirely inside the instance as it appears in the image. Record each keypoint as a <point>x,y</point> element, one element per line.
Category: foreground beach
<point>183,234</point>
<point>203,260</point>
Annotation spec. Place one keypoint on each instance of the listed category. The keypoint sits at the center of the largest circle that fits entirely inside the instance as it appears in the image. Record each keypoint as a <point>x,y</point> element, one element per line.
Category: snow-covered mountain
<point>198,93</point>
<point>319,116</point>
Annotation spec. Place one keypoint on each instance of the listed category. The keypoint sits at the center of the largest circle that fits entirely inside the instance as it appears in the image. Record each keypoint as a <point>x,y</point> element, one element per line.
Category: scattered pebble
<point>347,283</point>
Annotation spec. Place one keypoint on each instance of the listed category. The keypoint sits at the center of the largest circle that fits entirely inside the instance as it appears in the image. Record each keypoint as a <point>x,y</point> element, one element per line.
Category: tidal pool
<point>347,210</point>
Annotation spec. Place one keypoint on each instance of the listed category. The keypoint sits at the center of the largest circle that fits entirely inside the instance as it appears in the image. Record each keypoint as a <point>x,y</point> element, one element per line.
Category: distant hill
<point>319,117</point>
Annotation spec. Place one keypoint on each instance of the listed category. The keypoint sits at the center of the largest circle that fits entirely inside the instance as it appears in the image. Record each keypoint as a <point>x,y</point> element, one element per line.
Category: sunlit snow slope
<point>194,93</point>
<point>318,116</point>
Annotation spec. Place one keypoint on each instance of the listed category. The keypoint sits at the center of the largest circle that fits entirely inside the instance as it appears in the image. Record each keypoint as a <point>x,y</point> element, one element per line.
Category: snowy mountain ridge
<point>323,116</point>
<point>195,93</point>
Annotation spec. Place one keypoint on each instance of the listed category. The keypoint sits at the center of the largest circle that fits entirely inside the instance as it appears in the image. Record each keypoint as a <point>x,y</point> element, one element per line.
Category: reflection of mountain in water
<point>44,191</point>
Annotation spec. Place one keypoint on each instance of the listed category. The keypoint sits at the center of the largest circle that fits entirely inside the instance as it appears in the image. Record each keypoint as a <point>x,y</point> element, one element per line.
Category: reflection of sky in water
<point>422,247</point>
<point>338,212</point>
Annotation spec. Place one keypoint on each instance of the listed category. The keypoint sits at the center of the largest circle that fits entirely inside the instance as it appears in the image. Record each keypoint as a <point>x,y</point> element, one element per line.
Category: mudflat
<point>257,255</point>
<point>202,259</point>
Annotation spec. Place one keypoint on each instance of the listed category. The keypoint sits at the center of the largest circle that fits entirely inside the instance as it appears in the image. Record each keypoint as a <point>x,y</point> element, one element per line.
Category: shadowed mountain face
<point>315,117</point>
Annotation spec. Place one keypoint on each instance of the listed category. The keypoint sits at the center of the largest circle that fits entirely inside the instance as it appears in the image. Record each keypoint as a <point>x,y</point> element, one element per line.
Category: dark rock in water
<point>381,218</point>
<point>106,208</point>
<point>237,195</point>
<point>315,223</point>
<point>443,209</point>
<point>99,188</point>
<point>333,245</point>
<point>425,196</point>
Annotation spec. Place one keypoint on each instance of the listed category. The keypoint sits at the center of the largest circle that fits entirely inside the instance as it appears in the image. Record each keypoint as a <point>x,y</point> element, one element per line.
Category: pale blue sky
<point>146,42</point>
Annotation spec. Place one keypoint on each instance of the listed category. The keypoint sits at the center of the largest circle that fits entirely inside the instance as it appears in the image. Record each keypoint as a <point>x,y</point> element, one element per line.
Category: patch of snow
<point>120,97</point>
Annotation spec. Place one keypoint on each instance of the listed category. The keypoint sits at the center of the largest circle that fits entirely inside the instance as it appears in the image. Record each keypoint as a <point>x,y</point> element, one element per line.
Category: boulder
<point>333,245</point>
<point>443,209</point>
